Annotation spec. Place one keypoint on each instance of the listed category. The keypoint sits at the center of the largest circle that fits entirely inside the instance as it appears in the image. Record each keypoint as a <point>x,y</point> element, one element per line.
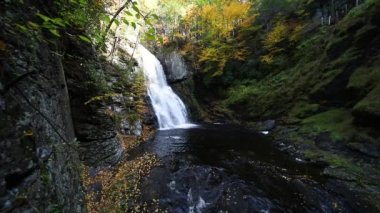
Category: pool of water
<point>224,168</point>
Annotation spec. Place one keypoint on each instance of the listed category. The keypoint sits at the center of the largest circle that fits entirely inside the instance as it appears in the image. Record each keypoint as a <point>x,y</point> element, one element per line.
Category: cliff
<point>65,108</point>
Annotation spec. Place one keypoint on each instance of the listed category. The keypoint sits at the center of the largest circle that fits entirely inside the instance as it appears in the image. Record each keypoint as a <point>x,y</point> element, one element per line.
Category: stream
<point>224,168</point>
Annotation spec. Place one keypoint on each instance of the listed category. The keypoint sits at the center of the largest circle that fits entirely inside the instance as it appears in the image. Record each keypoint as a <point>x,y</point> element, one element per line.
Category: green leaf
<point>48,25</point>
<point>150,36</point>
<point>148,22</point>
<point>133,25</point>
<point>155,16</point>
<point>22,28</point>
<point>117,22</point>
<point>43,17</point>
<point>161,39</point>
<point>54,32</point>
<point>135,9</point>
<point>138,16</point>
<point>83,2</point>
<point>106,18</point>
<point>84,38</point>
<point>128,13</point>
<point>33,25</point>
<point>58,21</point>
<point>126,21</point>
<point>98,39</point>
<point>152,31</point>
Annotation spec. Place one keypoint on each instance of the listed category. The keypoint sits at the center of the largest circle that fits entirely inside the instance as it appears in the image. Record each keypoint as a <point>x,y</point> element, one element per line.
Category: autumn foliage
<point>211,31</point>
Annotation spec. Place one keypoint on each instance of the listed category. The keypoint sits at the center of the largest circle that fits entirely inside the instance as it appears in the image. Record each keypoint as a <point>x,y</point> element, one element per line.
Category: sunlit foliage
<point>210,29</point>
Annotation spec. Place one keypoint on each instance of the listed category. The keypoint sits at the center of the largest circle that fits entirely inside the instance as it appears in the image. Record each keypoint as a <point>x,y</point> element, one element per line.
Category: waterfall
<point>168,107</point>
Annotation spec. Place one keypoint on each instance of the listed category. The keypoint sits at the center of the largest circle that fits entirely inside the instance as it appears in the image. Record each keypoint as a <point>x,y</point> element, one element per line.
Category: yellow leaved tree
<point>212,29</point>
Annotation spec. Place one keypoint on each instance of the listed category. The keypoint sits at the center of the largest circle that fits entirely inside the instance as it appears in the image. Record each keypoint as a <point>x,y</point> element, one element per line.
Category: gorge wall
<point>63,107</point>
<point>39,158</point>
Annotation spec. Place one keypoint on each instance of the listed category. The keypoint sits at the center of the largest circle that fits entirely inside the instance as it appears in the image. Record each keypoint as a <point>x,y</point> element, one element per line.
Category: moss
<point>313,155</point>
<point>303,110</point>
<point>365,77</point>
<point>336,121</point>
<point>336,161</point>
<point>362,10</point>
<point>240,94</point>
<point>45,176</point>
<point>133,117</point>
<point>311,48</point>
<point>369,105</point>
<point>337,45</point>
<point>299,139</point>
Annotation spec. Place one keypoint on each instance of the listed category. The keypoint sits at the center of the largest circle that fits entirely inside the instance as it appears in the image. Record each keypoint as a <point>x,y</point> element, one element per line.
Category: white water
<point>168,107</point>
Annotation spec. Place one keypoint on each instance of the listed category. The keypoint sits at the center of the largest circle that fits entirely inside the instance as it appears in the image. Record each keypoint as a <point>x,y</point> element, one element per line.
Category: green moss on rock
<point>365,77</point>
<point>338,122</point>
<point>303,110</point>
<point>370,105</point>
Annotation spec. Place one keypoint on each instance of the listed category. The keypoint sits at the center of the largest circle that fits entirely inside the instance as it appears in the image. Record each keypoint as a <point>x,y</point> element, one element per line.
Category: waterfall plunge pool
<point>225,168</point>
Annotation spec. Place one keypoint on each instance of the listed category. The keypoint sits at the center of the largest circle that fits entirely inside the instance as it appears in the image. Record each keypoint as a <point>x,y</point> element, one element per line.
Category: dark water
<point>220,168</point>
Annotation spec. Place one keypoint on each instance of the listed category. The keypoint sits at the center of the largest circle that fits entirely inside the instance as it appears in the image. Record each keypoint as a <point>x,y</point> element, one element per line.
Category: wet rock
<point>137,130</point>
<point>339,173</point>
<point>324,141</point>
<point>2,101</point>
<point>368,149</point>
<point>44,153</point>
<point>175,67</point>
<point>358,196</point>
<point>149,118</point>
<point>261,126</point>
<point>125,126</point>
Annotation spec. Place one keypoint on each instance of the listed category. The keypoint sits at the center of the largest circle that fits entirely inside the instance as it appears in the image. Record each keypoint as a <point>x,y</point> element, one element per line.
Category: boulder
<point>175,67</point>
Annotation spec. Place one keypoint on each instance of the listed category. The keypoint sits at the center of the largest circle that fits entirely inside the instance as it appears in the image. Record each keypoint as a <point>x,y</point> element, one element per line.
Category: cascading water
<point>168,107</point>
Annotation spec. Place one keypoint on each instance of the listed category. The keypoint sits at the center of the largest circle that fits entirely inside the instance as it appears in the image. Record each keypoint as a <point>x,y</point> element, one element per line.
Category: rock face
<point>59,104</point>
<point>175,67</point>
<point>39,163</point>
<point>187,84</point>
<point>180,78</point>
<point>93,126</point>
<point>97,135</point>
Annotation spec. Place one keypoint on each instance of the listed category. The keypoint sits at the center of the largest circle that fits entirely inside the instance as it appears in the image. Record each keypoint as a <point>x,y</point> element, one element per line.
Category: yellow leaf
<point>28,133</point>
<point>2,45</point>
<point>277,35</point>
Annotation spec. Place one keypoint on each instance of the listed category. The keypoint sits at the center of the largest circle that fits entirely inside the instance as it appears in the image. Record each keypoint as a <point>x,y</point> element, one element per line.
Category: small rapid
<point>168,107</point>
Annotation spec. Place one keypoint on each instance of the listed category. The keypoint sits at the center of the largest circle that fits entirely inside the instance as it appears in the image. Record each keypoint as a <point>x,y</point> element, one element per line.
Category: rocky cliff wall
<point>39,162</point>
<point>62,106</point>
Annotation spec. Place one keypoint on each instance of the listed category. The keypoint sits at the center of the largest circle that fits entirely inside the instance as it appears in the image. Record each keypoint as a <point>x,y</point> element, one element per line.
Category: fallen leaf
<point>2,45</point>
